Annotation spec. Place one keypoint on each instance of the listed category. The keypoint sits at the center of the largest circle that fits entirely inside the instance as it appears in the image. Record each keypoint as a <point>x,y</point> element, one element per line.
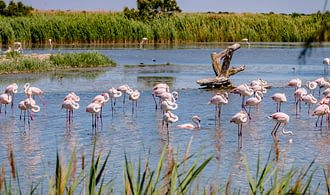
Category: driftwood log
<point>222,71</point>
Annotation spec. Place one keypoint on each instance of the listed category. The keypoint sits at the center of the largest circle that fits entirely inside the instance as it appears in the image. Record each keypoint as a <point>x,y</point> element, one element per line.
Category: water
<point>140,133</point>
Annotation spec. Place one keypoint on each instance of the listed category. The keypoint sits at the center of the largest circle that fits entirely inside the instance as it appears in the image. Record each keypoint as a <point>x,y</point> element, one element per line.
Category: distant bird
<point>279,98</point>
<point>320,111</point>
<point>246,40</point>
<point>11,90</point>
<point>326,62</point>
<point>143,42</point>
<point>18,47</point>
<point>280,118</point>
<point>218,100</point>
<point>194,125</point>
<point>239,118</point>
<point>50,44</point>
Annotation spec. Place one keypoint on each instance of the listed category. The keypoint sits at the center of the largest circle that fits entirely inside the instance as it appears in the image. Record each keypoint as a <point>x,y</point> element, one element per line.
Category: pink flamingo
<point>296,83</point>
<point>69,105</point>
<point>94,108</point>
<point>194,125</point>
<point>158,89</point>
<point>114,94</point>
<point>309,99</point>
<point>320,111</point>
<point>11,90</point>
<point>239,118</point>
<point>218,100</point>
<point>311,85</point>
<point>243,90</point>
<point>279,98</point>
<point>124,89</point>
<point>254,101</point>
<point>134,96</point>
<point>5,99</point>
<point>72,96</point>
<point>33,91</point>
<point>319,81</point>
<point>298,94</point>
<point>31,106</point>
<point>280,118</point>
<point>169,117</point>
<point>101,99</point>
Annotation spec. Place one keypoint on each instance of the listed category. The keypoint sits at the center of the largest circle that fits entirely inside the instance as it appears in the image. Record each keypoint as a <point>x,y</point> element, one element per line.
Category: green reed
<point>113,27</point>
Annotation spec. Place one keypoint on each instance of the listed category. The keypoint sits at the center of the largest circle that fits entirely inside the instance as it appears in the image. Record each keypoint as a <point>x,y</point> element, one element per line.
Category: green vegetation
<point>108,27</point>
<point>14,9</point>
<point>170,176</point>
<point>14,62</point>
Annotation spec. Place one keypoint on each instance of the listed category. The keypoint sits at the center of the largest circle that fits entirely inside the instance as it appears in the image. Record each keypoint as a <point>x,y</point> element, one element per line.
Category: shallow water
<point>140,133</point>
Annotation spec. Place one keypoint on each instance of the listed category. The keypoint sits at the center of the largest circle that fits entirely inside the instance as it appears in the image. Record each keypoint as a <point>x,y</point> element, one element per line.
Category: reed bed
<point>171,175</point>
<point>14,62</point>
<point>114,27</point>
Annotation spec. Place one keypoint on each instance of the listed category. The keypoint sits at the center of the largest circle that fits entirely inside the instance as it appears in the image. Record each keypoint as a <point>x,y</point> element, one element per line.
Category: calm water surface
<point>140,133</point>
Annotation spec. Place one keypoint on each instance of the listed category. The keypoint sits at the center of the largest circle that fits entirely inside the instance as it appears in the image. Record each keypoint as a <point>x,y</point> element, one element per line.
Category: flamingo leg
<point>275,129</point>
<point>153,96</point>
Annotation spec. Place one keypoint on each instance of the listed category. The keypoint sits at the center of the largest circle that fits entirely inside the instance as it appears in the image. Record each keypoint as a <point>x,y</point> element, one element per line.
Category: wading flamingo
<point>31,106</point>
<point>326,63</point>
<point>113,94</point>
<point>243,90</point>
<point>298,94</point>
<point>69,105</point>
<point>309,99</point>
<point>218,100</point>
<point>279,98</point>
<point>320,111</point>
<point>239,118</point>
<point>296,83</point>
<point>311,86</point>
<point>5,99</point>
<point>101,99</point>
<point>194,125</point>
<point>94,108</point>
<point>254,101</point>
<point>280,118</point>
<point>11,90</point>
<point>134,97</point>
<point>169,117</point>
<point>124,89</point>
<point>33,91</point>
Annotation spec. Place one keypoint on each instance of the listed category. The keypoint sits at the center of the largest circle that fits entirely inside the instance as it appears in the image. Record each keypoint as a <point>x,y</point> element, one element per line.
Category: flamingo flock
<point>252,95</point>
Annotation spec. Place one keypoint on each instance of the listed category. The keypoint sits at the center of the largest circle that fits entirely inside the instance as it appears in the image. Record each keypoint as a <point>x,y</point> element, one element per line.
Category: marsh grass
<point>17,63</point>
<point>171,175</point>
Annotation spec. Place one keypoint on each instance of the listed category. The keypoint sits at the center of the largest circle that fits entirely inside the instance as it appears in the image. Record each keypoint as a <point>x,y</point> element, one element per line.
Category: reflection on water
<point>35,146</point>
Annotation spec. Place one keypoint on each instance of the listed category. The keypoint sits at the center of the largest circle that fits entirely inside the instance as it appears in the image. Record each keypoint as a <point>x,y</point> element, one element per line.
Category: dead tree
<point>224,71</point>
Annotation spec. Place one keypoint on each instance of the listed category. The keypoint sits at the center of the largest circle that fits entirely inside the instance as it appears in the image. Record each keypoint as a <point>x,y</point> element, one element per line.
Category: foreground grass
<point>172,175</point>
<point>17,63</point>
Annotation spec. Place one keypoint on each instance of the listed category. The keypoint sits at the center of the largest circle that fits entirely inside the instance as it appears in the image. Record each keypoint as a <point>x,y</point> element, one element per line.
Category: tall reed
<point>113,27</point>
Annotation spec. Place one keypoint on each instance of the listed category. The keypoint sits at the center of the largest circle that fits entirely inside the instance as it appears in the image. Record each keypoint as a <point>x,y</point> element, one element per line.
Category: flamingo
<point>143,42</point>
<point>134,96</point>
<point>311,85</point>
<point>21,105</point>
<point>243,90</point>
<point>298,94</point>
<point>254,101</point>
<point>169,117</point>
<point>5,99</point>
<point>320,111</point>
<point>326,62</point>
<point>124,89</point>
<point>296,83</point>
<point>94,108</point>
<point>279,98</point>
<point>239,118</point>
<point>113,94</point>
<point>72,96</point>
<point>218,100</point>
<point>280,118</point>
<point>11,90</point>
<point>31,105</point>
<point>69,105</point>
<point>101,99</point>
<point>33,91</point>
<point>167,105</point>
<point>309,99</point>
<point>194,125</point>
<point>319,82</point>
